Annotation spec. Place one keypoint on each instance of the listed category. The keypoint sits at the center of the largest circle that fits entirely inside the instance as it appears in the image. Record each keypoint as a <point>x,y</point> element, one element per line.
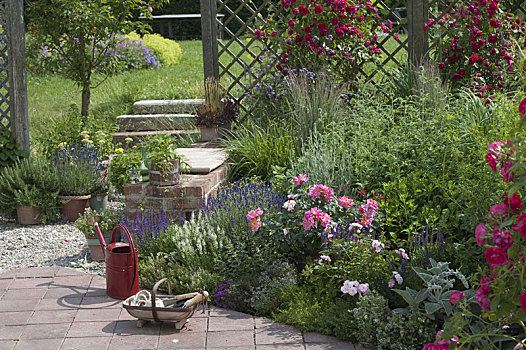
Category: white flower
<point>378,246</point>
<point>355,225</point>
<point>285,231</point>
<point>349,287</point>
<point>391,283</point>
<point>289,205</point>
<point>325,257</point>
<point>363,288</point>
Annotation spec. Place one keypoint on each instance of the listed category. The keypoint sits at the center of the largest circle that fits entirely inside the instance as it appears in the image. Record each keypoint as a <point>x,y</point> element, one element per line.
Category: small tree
<point>82,33</point>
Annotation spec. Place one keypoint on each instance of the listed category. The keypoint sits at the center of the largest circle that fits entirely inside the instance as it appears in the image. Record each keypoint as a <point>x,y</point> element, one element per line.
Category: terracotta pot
<point>74,207</point>
<point>94,246</point>
<point>98,202</point>
<point>169,178</point>
<point>28,216</point>
<point>208,134</point>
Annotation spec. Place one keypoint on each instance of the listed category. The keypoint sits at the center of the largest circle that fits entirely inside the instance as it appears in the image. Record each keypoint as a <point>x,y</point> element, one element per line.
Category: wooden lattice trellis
<point>13,87</point>
<point>234,60</point>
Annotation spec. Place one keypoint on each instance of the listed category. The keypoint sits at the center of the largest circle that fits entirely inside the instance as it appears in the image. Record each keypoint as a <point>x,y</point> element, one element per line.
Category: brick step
<point>166,106</point>
<point>140,136</point>
<point>155,122</point>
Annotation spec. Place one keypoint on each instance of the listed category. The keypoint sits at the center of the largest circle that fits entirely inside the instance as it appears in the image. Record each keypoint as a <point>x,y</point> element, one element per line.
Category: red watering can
<point>122,273</point>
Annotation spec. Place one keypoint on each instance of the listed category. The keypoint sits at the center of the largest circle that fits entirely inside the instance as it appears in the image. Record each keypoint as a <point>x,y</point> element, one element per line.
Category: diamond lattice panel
<point>5,117</point>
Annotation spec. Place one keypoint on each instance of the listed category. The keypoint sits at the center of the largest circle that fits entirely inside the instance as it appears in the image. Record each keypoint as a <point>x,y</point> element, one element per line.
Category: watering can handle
<point>132,247</point>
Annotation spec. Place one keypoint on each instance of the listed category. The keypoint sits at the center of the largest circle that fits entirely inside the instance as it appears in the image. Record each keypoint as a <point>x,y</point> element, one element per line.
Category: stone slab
<point>166,106</point>
<point>155,122</point>
<point>141,136</point>
<point>203,160</point>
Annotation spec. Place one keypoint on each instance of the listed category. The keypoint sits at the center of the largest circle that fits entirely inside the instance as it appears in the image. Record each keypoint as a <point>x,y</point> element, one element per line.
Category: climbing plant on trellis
<point>5,115</point>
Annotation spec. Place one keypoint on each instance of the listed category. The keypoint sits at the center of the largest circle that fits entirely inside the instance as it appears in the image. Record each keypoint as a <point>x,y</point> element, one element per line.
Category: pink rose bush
<point>314,214</point>
<point>339,35</point>
<point>501,292</point>
<point>477,45</point>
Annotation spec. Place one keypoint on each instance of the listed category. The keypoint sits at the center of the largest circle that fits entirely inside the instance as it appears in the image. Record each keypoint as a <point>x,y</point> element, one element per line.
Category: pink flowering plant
<point>340,267</point>
<point>313,214</point>
<point>478,45</point>
<point>336,36</point>
<point>498,312</point>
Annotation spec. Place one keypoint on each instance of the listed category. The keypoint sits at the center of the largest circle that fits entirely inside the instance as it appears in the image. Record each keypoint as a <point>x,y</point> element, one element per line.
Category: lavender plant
<point>148,226</point>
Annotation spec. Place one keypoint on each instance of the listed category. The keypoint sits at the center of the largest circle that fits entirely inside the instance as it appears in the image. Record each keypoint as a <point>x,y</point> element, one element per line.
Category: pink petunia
<point>480,232</point>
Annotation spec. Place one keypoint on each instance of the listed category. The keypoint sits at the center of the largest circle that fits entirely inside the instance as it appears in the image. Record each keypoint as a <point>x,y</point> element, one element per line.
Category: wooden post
<point>417,16</point>
<point>17,72</point>
<point>209,38</point>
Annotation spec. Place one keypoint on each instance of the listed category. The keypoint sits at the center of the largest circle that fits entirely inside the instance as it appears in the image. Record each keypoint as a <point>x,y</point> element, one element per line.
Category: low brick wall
<point>186,197</point>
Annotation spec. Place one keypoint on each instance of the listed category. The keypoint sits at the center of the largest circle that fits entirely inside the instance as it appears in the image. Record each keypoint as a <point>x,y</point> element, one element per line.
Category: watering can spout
<point>93,221</point>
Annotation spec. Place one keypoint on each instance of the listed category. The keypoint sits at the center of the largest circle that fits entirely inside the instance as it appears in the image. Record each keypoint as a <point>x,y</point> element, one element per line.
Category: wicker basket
<point>177,308</point>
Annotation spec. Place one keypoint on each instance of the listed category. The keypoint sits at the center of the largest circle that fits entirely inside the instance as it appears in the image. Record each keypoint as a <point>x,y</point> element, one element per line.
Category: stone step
<point>140,136</point>
<point>166,106</point>
<point>155,122</point>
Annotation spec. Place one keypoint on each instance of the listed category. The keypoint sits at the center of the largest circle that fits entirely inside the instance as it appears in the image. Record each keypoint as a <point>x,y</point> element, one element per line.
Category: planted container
<point>165,177</point>
<point>73,206</point>
<point>209,133</point>
<point>94,246</point>
<point>28,215</point>
<point>98,202</point>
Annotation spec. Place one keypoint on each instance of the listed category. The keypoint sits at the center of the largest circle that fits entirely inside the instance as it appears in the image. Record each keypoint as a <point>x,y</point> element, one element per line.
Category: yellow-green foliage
<point>168,51</point>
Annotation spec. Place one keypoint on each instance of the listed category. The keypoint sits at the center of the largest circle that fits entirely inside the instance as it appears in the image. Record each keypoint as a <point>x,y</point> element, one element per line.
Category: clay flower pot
<point>74,207</point>
<point>208,134</point>
<point>28,216</point>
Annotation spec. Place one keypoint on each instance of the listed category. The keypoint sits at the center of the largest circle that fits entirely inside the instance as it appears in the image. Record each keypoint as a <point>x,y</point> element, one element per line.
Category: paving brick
<point>120,342</point>
<point>96,291</point>
<point>29,293</point>
<point>64,271</point>
<point>71,292</point>
<point>52,316</point>
<point>21,283</point>
<point>125,316</point>
<point>261,322</point>
<point>7,344</point>
<point>330,346</point>
<point>130,328</point>
<point>87,343</point>
<point>182,340</point>
<point>193,325</point>
<point>99,302</point>
<point>73,282</point>
<point>280,347</point>
<point>246,347</point>
<point>40,272</point>
<point>9,274</point>
<point>230,324</point>
<point>15,318</point>
<point>97,315</point>
<point>278,334</point>
<point>311,337</point>
<point>91,329</point>
<point>18,305</point>
<point>230,338</point>
<point>4,283</point>
<point>220,312</point>
<point>11,332</point>
<point>58,304</point>
<point>45,331</point>
<point>40,344</point>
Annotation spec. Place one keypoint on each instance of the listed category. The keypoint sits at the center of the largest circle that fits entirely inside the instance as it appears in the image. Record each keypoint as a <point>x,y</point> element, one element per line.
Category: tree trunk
<point>86,96</point>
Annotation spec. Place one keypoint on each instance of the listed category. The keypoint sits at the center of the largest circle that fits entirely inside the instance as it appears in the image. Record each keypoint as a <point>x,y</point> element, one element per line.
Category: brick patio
<point>53,308</point>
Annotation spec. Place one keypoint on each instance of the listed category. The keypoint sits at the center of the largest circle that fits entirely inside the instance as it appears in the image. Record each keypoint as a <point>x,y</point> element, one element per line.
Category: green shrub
<point>327,160</point>
<point>30,182</point>
<point>255,150</point>
<point>167,50</point>
<point>405,332</point>
<point>120,167</point>
<point>9,152</point>
<point>186,255</point>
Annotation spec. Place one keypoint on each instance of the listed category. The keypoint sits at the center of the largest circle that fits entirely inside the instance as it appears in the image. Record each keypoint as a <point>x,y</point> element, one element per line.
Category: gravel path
<point>59,244</point>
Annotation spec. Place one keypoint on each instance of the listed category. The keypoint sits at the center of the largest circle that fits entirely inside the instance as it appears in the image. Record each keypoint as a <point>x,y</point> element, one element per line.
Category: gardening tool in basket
<point>122,272</point>
<point>151,306</point>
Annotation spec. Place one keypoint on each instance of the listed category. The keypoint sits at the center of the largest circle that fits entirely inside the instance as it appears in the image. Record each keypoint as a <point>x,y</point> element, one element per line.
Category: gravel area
<point>59,244</point>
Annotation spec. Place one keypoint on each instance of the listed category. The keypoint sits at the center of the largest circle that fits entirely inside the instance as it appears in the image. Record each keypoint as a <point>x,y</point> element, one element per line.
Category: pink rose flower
<point>522,108</point>
<point>503,239</point>
<point>514,203</point>
<point>496,256</point>
<point>345,202</point>
<point>480,232</point>
<point>456,296</point>
<point>522,299</point>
